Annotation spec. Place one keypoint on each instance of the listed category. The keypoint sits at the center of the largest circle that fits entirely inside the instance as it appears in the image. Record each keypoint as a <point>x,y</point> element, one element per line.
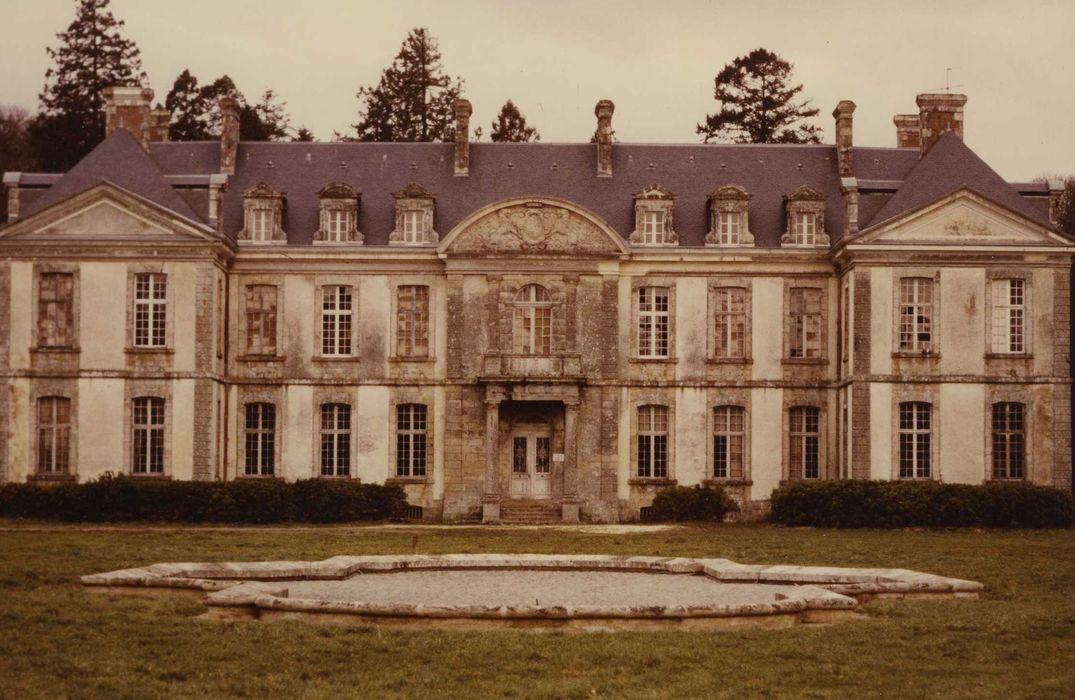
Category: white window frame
<point>151,305</point>
<point>532,321</point>
<point>1009,322</point>
<point>804,440</point>
<point>412,320</point>
<point>412,440</point>
<point>413,226</point>
<point>339,225</point>
<point>1002,439</point>
<point>261,335</point>
<point>911,433</point>
<point>337,320</point>
<point>148,435</point>
<point>728,227</point>
<point>53,436</point>
<point>653,226</point>
<point>804,225</point>
<point>654,336</point>
<point>261,225</point>
<point>729,437</point>
<point>652,443</point>
<point>335,440</point>
<point>727,322</point>
<point>802,323</point>
<point>259,454</point>
<point>916,315</point>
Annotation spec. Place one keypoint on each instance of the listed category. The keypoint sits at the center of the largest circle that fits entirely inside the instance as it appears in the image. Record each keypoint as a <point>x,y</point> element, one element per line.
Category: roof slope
<point>121,161</point>
<point>948,167</point>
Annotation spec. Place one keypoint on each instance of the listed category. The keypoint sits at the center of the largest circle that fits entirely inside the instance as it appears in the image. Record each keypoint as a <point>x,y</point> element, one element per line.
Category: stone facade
<point>535,351</point>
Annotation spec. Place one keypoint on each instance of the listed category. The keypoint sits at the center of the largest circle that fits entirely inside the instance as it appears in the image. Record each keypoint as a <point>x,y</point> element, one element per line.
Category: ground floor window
<point>147,417</point>
<point>410,440</point>
<point>653,442</point>
<point>1009,441</point>
<point>915,440</point>
<point>804,443</point>
<point>335,439</point>
<point>728,434</point>
<point>53,434</point>
<point>260,439</point>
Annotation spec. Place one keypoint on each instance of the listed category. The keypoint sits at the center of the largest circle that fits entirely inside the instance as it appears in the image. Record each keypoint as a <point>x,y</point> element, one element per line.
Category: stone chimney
<point>603,111</point>
<point>229,134</point>
<point>939,112</point>
<point>128,108</point>
<point>908,131</point>
<point>462,110</point>
<point>11,191</point>
<point>843,116</point>
<point>159,121</point>
<point>1056,199</point>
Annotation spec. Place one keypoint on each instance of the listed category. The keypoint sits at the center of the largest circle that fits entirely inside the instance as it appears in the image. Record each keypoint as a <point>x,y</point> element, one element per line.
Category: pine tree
<point>303,135</point>
<point>510,125</point>
<point>272,115</point>
<point>758,103</point>
<point>190,114</point>
<point>196,111</point>
<point>91,56</point>
<point>413,100</point>
<point>15,152</point>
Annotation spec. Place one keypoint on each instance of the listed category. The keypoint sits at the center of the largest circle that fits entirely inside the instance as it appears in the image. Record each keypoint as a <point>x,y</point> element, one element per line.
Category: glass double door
<point>531,458</point>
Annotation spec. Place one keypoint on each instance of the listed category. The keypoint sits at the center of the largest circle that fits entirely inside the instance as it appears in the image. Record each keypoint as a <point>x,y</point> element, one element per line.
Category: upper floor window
<point>410,440</point>
<point>728,441</point>
<point>260,439</point>
<point>150,310</point>
<point>652,322</point>
<point>915,439</point>
<point>1009,334</point>
<point>414,216</point>
<point>336,321</point>
<point>147,444</point>
<point>728,228</point>
<point>261,225</point>
<point>532,321</point>
<point>653,216</point>
<point>263,208</point>
<point>805,321</point>
<point>653,442</point>
<point>804,442</point>
<point>916,314</point>
<point>55,310</point>
<point>731,322</point>
<point>412,321</point>
<point>335,439</point>
<point>338,215</point>
<point>1009,440</point>
<point>729,208</point>
<point>53,435</point>
<point>260,319</point>
<point>805,228</point>
<point>805,209</point>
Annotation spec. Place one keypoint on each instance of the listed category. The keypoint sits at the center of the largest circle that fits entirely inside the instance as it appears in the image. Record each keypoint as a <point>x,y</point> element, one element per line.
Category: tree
<point>15,152</point>
<point>196,111</point>
<point>91,56</point>
<point>758,103</point>
<point>272,116</point>
<point>413,100</point>
<point>303,135</point>
<point>1067,208</point>
<point>190,113</point>
<point>510,125</point>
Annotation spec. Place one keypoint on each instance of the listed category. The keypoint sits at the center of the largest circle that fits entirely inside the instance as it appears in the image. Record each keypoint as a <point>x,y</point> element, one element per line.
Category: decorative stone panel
<point>414,201</point>
<point>338,198</point>
<point>805,200</point>
<point>535,227</point>
<point>263,197</point>
<point>729,200</point>
<point>656,200</point>
<point>860,430</point>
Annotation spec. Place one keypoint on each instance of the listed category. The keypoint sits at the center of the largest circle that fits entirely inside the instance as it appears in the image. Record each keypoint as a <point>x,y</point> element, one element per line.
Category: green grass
<point>60,640</point>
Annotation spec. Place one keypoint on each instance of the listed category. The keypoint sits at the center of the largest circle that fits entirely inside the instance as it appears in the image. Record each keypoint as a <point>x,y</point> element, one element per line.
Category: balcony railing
<point>513,365</point>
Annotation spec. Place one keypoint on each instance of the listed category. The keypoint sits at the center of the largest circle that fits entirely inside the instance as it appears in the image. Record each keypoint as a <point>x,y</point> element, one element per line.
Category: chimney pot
<point>843,114</point>
<point>939,112</point>
<point>229,134</point>
<point>908,130</point>
<point>603,111</point>
<point>462,110</point>
<point>128,108</point>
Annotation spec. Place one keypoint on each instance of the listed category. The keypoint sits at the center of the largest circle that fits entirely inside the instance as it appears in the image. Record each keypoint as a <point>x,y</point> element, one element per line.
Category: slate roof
<point>119,159</point>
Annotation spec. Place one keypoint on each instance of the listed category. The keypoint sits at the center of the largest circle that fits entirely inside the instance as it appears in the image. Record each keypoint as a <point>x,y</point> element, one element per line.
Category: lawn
<point>60,640</point>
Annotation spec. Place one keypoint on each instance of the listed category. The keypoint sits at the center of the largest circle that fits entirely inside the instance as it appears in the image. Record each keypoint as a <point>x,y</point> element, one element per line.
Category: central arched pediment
<point>533,226</point>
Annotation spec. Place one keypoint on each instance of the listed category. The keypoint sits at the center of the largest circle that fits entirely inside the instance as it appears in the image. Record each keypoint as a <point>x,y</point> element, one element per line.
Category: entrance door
<point>531,456</point>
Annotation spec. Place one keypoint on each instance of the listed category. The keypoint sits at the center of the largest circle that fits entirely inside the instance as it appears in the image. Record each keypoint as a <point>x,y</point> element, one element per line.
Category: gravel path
<point>544,588</point>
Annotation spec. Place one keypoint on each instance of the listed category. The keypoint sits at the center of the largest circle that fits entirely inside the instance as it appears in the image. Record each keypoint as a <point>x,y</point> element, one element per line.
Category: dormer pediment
<point>337,190</point>
<point>654,191</point>
<point>414,191</point>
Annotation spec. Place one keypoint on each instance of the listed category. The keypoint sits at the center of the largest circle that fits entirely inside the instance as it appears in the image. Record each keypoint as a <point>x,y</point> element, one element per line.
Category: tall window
<point>653,441</point>
<point>150,310</point>
<point>653,227</point>
<point>728,228</point>
<point>804,228</point>
<point>1009,316</point>
<point>413,225</point>
<point>916,314</point>
<point>532,321</point>
<point>1009,441</point>
<point>261,224</point>
<point>412,321</point>
<point>55,310</point>
<point>804,339</point>
<point>653,322</point>
<point>260,439</point>
<point>915,436</point>
<point>410,440</point>
<point>728,440</point>
<point>147,418</point>
<point>53,435</point>
<point>339,224</point>
<point>804,442</point>
<point>336,321</point>
<point>261,319</point>
<point>335,439</point>
<point>731,323</point>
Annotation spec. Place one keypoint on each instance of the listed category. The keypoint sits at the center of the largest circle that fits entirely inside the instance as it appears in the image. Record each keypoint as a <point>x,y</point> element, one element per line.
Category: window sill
<point>408,359</point>
<point>651,481</point>
<point>405,480</point>
<point>52,478</point>
<point>717,481</point>
<point>331,358</point>
<point>729,361</point>
<point>260,358</point>
<point>654,360</point>
<point>911,355</point>
<point>149,351</point>
<point>1009,356</point>
<point>804,361</point>
<point>335,477</point>
<point>57,350</point>
<point>259,477</point>
<point>150,477</point>
<point>1006,480</point>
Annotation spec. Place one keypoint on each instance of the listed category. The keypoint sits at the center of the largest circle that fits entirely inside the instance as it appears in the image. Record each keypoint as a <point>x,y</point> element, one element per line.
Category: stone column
<point>491,490</point>
<point>570,508</point>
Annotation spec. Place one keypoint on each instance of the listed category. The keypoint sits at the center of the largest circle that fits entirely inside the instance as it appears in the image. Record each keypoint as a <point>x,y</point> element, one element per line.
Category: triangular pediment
<point>962,218</point>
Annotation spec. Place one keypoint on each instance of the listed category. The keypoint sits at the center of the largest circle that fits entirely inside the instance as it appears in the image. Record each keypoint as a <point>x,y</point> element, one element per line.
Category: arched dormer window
<point>729,224</point>
<point>653,217</point>
<point>338,220</point>
<point>805,209</point>
<point>414,217</point>
<point>532,321</point>
<point>263,212</point>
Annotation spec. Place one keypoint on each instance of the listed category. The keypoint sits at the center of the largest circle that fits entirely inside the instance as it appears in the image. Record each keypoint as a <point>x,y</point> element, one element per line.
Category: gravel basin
<point>535,588</point>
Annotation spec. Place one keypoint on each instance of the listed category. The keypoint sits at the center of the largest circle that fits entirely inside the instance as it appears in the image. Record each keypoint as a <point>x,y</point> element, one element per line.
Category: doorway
<point>531,460</point>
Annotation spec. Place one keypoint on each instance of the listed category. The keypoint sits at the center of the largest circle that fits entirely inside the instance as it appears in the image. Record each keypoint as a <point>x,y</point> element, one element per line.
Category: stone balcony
<point>511,365</point>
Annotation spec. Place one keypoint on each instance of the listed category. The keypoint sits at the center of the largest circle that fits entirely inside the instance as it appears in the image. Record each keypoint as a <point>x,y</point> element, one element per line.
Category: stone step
<point>529,512</point>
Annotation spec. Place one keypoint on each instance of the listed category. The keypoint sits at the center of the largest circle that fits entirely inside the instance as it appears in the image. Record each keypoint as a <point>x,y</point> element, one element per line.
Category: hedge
<point>891,504</point>
<point>126,499</point>
<point>703,503</point>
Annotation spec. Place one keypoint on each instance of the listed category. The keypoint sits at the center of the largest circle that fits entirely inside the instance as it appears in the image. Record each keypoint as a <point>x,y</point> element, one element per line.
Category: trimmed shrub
<point>891,504</point>
<point>702,503</point>
<point>125,499</point>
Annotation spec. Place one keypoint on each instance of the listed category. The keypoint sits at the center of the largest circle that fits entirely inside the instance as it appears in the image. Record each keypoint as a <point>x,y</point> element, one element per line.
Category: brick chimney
<point>462,110</point>
<point>229,134</point>
<point>128,108</point>
<point>843,116</point>
<point>159,121</point>
<point>908,131</point>
<point>603,111</point>
<point>939,112</point>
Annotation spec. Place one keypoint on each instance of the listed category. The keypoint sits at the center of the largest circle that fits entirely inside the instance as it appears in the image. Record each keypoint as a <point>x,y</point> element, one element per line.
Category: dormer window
<point>263,209</point>
<point>653,217</point>
<point>339,215</point>
<point>805,219</point>
<point>728,217</point>
<point>414,217</point>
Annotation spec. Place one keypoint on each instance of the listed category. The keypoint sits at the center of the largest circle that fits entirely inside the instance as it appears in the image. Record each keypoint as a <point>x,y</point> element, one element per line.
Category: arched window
<point>532,327</point>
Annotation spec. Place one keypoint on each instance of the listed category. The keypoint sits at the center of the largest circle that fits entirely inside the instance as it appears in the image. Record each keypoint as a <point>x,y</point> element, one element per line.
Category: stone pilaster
<point>491,490</point>
<point>5,363</point>
<point>570,507</point>
<point>1062,458</point>
<point>860,390</point>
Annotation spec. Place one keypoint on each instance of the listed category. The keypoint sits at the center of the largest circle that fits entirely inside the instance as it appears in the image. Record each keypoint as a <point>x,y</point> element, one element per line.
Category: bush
<point>704,503</point>
<point>126,499</point>
<point>890,504</point>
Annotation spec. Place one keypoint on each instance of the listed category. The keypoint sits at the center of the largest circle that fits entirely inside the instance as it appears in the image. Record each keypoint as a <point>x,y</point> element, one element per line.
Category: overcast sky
<point>655,60</point>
